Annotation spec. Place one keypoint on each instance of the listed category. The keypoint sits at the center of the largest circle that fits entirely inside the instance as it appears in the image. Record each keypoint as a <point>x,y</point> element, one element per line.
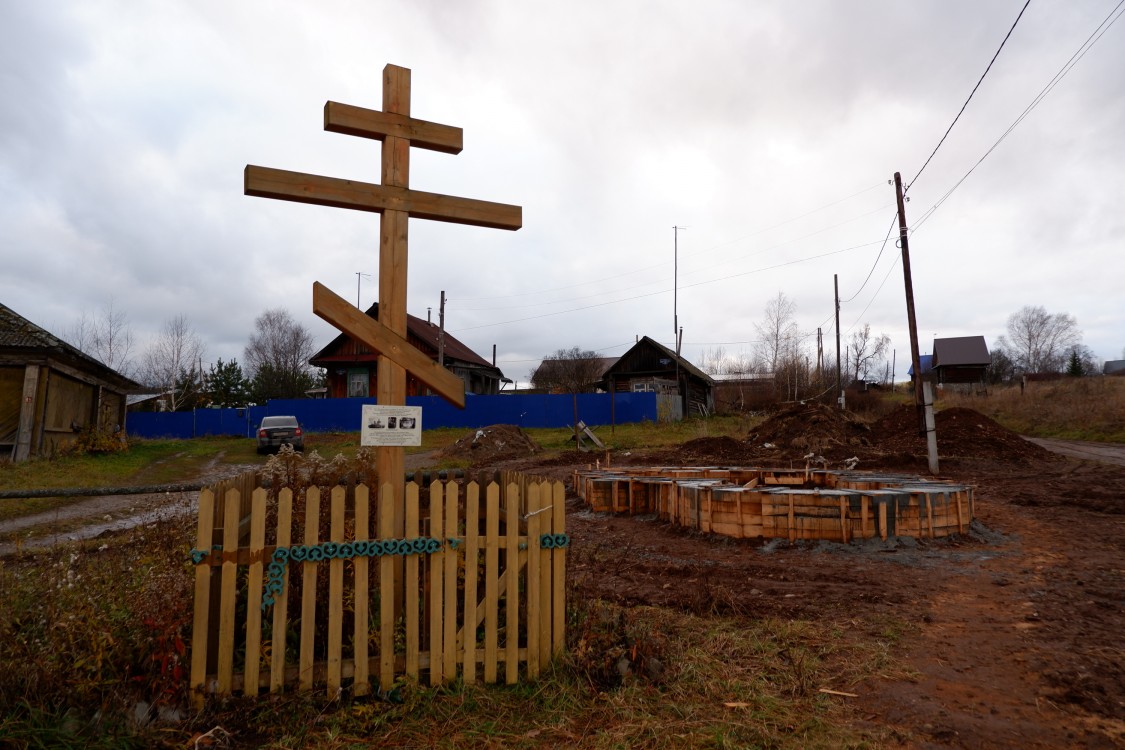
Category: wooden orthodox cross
<point>396,202</point>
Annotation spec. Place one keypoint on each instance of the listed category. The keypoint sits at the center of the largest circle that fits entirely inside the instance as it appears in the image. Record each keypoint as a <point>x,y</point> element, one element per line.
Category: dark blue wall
<point>343,414</point>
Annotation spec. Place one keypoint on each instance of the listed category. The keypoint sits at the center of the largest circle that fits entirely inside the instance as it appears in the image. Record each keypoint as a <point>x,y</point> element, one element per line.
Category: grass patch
<point>1070,409</point>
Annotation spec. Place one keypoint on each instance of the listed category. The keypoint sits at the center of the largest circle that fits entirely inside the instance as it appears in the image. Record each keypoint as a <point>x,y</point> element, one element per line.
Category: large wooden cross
<point>396,202</point>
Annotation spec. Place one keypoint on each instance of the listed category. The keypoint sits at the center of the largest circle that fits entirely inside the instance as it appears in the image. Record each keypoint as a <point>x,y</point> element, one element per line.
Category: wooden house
<point>50,391</point>
<point>352,372</point>
<point>651,366</point>
<point>964,359</point>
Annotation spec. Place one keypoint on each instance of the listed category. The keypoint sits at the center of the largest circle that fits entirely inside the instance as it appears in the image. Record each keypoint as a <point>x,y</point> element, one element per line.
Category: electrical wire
<point>688,254</point>
<point>1086,46</point>
<point>894,220</point>
<point>966,104</point>
<point>665,291</point>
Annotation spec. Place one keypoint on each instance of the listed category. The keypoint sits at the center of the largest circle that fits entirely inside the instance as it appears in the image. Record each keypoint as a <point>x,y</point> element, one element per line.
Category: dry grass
<point>1071,408</point>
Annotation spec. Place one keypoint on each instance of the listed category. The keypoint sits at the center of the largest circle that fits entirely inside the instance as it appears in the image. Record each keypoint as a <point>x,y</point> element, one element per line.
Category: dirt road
<point>1110,453</point>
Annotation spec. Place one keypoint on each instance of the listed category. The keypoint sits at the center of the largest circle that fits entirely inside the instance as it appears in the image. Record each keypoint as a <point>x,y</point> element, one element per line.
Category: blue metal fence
<point>343,414</point>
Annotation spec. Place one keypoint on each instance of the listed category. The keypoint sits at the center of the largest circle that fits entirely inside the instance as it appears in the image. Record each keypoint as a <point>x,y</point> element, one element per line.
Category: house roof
<point>685,365</point>
<point>428,334</point>
<point>925,362</point>
<point>19,335</point>
<point>961,351</point>
<point>548,366</point>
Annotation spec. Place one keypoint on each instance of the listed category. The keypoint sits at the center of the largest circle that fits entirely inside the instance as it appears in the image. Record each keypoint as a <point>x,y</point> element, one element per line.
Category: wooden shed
<point>50,391</point>
<point>651,366</point>
<point>352,371</point>
<point>964,359</point>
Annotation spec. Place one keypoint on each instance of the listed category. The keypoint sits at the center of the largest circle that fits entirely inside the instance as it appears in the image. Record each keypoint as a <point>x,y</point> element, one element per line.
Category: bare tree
<point>172,362</point>
<point>1040,341</point>
<point>277,357</point>
<point>107,337</point>
<point>571,370</point>
<point>777,333</point>
<point>866,353</point>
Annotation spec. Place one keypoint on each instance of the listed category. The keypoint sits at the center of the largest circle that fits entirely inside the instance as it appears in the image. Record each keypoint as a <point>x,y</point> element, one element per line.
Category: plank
<point>335,595</point>
<point>253,661</point>
<point>546,601</point>
<point>361,684</point>
<point>491,587</point>
<point>411,594</point>
<point>437,589</point>
<point>472,549</point>
<point>301,187</point>
<point>386,591</point>
<point>383,340</point>
<point>558,572</point>
<point>449,636</point>
<point>202,599</point>
<point>308,591</point>
<point>229,588</point>
<point>512,593</point>
<point>281,601</point>
<point>371,123</point>
<point>534,556</point>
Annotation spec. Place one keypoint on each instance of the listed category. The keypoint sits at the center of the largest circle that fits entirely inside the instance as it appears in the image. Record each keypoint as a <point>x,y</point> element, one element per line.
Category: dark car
<point>275,432</point>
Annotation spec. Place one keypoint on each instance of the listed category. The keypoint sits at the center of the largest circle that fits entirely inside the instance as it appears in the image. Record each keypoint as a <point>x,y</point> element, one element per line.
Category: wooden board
<point>382,340</point>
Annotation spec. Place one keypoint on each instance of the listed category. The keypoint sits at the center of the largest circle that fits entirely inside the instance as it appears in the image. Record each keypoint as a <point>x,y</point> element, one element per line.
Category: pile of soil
<point>812,427</point>
<point>724,451</point>
<point>498,442</point>
<point>961,433</point>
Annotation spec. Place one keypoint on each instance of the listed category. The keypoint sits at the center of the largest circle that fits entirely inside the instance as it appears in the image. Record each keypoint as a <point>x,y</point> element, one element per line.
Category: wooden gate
<point>314,588</point>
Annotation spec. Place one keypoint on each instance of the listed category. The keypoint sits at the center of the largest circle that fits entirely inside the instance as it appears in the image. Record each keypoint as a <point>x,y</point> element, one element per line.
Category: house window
<point>358,382</point>
<point>646,387</point>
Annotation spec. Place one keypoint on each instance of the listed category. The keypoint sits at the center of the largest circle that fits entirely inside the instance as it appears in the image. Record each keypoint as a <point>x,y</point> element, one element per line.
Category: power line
<point>966,104</point>
<point>665,291</point>
<point>1086,46</point>
<point>882,247</point>
<point>658,281</point>
<point>686,255</point>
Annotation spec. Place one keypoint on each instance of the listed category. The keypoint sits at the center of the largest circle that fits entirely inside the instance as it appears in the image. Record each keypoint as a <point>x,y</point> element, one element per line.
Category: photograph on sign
<point>391,425</point>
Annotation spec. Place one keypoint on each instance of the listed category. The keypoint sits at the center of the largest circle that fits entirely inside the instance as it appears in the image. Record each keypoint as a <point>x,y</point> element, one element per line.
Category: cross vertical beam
<point>391,381</point>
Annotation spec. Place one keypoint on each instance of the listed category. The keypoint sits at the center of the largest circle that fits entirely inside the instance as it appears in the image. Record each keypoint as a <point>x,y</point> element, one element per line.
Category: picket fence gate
<point>476,584</point>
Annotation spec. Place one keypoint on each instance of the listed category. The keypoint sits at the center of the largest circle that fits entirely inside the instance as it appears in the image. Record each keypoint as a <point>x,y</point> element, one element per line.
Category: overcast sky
<point>768,129</point>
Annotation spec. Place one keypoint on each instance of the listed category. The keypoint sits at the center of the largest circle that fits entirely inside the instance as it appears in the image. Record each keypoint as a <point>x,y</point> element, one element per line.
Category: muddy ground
<point>1015,632</point>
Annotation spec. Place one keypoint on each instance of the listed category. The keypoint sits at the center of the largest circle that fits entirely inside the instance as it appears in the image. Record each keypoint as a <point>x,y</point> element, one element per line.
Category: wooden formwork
<point>793,504</point>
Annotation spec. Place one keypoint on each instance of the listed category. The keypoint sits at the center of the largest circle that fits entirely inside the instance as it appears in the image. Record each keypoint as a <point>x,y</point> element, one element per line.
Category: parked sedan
<point>275,432</point>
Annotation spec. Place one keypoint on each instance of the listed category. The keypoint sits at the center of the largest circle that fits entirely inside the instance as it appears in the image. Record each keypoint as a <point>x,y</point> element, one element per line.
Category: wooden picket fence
<point>474,585</point>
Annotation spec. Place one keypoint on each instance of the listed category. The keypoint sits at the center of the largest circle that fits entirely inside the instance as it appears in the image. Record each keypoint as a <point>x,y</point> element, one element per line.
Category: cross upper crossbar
<point>371,123</point>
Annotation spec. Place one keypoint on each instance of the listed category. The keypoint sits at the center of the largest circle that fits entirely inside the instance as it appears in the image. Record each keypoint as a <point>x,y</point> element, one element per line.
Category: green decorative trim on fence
<point>349,550</point>
<point>198,555</point>
<point>422,545</point>
<point>554,541</point>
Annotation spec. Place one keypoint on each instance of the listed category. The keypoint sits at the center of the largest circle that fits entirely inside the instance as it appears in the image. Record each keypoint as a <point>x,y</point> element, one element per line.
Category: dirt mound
<point>962,433</point>
<point>496,442</point>
<point>812,427</point>
<point>721,450</point>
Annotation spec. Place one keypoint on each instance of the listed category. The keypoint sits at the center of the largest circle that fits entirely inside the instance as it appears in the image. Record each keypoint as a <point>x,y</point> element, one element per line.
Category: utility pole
<point>819,357</point>
<point>912,323</point>
<point>677,332</point>
<point>441,331</point>
<point>358,277</point>
<point>923,392</point>
<point>839,375</point>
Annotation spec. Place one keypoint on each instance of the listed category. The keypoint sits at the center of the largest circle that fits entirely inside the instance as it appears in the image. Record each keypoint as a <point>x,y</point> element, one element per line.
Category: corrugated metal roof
<point>961,350</point>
